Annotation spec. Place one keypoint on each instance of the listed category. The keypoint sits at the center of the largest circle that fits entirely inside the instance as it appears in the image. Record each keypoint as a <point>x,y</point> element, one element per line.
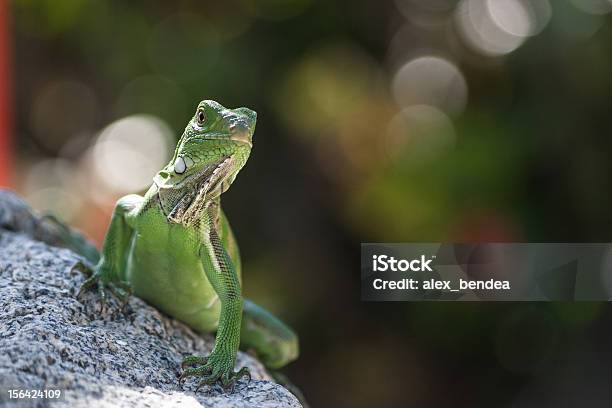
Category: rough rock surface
<point>50,340</point>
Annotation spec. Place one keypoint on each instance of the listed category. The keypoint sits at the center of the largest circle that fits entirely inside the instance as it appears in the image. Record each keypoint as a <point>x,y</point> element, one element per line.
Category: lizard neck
<point>181,207</point>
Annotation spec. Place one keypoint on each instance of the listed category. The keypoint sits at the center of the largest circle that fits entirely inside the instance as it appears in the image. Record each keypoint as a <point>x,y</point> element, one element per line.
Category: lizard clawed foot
<point>213,369</point>
<point>120,290</point>
<point>229,381</point>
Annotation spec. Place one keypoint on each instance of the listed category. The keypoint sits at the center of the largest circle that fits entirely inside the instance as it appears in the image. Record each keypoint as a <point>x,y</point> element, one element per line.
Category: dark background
<point>378,121</point>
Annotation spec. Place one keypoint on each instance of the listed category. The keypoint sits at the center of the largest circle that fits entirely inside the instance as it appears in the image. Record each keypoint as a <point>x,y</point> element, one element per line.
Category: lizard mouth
<point>242,137</point>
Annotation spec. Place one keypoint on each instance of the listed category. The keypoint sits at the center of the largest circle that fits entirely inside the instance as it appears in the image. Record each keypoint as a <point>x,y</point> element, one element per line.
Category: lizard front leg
<point>219,365</point>
<point>109,272</point>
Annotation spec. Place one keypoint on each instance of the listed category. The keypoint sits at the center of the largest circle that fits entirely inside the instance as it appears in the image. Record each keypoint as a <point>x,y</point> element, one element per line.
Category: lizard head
<point>213,148</point>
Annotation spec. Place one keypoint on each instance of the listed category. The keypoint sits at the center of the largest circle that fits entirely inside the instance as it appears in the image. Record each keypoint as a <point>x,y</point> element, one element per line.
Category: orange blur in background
<point>5,96</point>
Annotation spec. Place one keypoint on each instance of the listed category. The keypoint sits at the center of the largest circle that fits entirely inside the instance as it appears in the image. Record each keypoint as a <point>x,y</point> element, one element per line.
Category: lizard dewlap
<point>174,248</point>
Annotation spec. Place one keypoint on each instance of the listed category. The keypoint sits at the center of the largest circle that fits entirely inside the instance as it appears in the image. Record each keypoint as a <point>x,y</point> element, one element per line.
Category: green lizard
<point>174,248</point>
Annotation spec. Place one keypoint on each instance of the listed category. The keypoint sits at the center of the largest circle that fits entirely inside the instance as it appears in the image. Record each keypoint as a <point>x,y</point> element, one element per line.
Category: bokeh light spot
<point>432,81</point>
<point>510,16</point>
<point>495,28</point>
<point>129,152</point>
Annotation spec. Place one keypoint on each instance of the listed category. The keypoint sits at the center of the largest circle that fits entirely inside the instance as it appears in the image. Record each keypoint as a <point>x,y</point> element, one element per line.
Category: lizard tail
<point>283,380</point>
<point>17,216</point>
<point>73,239</point>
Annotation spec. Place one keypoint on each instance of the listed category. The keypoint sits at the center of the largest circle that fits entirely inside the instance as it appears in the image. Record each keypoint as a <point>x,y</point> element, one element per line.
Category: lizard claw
<point>191,372</point>
<point>120,290</point>
<point>210,380</point>
<point>229,380</point>
<point>215,368</point>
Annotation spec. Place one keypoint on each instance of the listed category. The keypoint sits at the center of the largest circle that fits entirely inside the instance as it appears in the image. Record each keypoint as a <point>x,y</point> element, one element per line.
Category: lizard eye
<point>201,117</point>
<point>180,166</point>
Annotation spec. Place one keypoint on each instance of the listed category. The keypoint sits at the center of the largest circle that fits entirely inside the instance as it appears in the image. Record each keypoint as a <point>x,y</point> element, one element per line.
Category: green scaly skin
<point>174,248</point>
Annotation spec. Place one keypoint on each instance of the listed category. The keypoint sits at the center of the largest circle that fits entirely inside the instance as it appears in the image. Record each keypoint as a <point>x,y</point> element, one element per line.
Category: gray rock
<point>50,340</point>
